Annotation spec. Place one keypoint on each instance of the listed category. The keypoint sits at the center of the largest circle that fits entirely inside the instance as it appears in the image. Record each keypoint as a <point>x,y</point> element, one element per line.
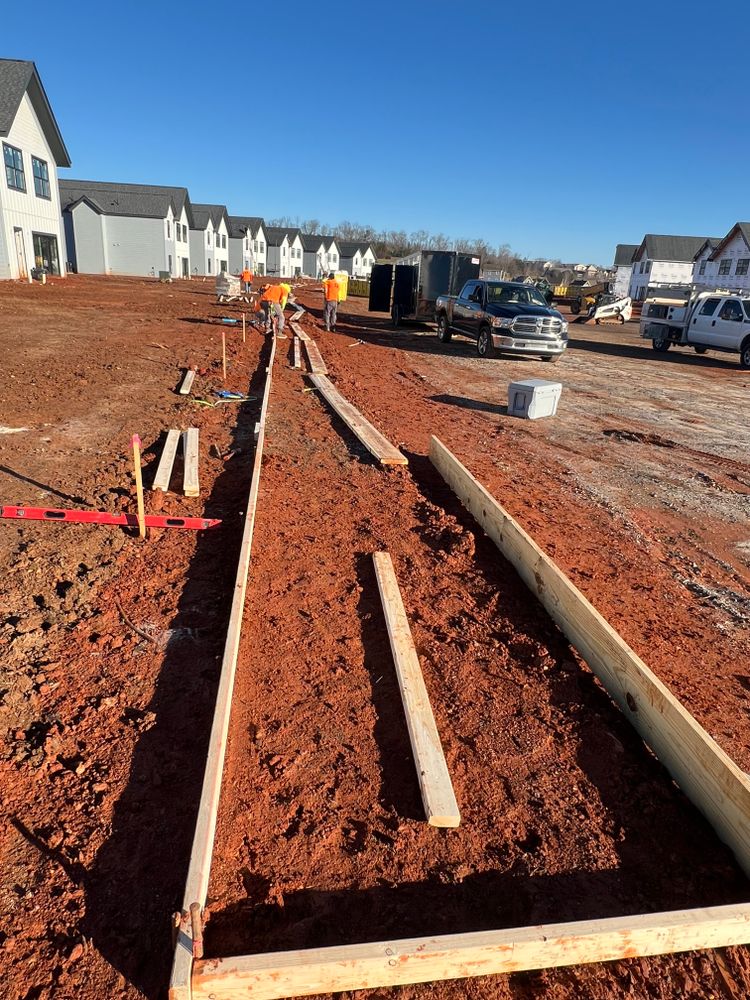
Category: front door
<point>185,272</point>
<point>20,254</point>
<point>45,253</point>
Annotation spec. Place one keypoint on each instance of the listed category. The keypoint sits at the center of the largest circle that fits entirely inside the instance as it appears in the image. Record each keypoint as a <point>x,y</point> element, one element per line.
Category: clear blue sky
<point>558,128</point>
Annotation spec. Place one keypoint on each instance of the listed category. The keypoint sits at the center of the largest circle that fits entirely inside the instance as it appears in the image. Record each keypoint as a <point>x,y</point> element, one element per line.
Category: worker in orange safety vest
<point>331,300</point>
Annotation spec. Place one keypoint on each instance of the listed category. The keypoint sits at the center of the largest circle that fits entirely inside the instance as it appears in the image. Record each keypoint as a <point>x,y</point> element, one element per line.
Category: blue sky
<point>561,133</point>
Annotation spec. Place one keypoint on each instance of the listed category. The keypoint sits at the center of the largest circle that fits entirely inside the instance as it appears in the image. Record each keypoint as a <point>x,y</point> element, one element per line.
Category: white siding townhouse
<point>33,148</point>
<point>313,255</point>
<point>333,255</point>
<point>663,260</point>
<point>209,239</point>
<point>724,263</point>
<point>623,267</point>
<point>356,258</point>
<point>285,252</point>
<point>247,244</point>
<point>138,229</point>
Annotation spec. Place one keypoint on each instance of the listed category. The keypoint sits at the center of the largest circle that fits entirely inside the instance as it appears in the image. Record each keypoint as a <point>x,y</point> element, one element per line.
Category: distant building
<point>623,268</point>
<point>31,232</point>
<point>285,252</point>
<point>724,263</point>
<point>138,229</point>
<point>356,258</point>
<point>247,244</point>
<point>209,239</point>
<point>663,260</point>
<point>313,255</point>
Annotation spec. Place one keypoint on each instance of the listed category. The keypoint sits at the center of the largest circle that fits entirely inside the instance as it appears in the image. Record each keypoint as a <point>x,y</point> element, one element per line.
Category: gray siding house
<point>313,255</point>
<point>209,239</point>
<point>30,228</point>
<point>138,229</point>
<point>247,244</point>
<point>356,258</point>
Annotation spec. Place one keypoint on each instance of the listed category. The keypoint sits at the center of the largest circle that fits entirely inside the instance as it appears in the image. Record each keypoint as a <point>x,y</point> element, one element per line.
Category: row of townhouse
<point>705,262</point>
<point>101,227</point>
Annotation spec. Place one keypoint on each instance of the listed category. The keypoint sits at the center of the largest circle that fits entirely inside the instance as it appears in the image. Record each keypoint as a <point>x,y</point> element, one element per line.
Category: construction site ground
<point>640,490</point>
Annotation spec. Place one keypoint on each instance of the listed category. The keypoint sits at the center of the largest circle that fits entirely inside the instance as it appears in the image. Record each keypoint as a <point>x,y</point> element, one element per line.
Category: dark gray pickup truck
<point>503,316</point>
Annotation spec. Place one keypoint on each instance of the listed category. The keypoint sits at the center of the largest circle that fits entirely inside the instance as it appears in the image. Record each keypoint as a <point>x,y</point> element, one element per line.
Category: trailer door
<point>466,269</point>
<point>381,282</point>
<point>404,288</point>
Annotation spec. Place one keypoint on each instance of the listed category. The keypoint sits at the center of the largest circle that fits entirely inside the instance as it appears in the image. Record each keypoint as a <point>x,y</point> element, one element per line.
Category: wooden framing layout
<point>297,329</point>
<point>371,438</point>
<point>187,382</point>
<point>190,451</point>
<point>199,869</point>
<point>297,358</point>
<point>706,774</point>
<point>439,800</point>
<point>314,357</point>
<point>166,462</point>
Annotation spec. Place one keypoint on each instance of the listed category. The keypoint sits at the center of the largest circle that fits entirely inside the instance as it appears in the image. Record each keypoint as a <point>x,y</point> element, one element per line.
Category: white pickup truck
<point>716,321</point>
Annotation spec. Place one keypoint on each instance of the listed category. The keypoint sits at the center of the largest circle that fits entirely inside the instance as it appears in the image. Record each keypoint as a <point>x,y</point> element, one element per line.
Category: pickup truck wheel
<point>485,347</point>
<point>699,349</point>
<point>661,344</point>
<point>575,306</point>
<point>444,331</point>
<point>745,353</point>
<point>552,358</point>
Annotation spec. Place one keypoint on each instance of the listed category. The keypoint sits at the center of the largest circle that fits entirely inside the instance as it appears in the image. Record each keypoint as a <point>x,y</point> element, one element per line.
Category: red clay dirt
<point>321,837</point>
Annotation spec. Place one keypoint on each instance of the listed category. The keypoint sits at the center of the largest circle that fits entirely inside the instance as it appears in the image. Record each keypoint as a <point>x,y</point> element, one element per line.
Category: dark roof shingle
<point>624,253</point>
<point>676,248</point>
<point>18,76</point>
<point>239,223</point>
<point>202,213</point>
<point>147,201</point>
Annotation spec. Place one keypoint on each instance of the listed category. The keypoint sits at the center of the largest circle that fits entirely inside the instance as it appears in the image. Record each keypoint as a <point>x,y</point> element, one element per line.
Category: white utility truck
<point>715,321</point>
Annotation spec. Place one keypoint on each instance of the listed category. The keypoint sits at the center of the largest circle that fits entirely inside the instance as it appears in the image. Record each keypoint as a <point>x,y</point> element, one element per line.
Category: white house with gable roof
<point>209,239</point>
<point>31,234</point>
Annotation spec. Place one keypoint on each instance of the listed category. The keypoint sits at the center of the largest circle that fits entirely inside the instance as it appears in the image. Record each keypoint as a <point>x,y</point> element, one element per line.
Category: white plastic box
<point>533,398</point>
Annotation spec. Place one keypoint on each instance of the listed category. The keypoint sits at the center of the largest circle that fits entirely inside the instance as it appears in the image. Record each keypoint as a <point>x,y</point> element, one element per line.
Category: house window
<point>702,268</point>
<point>209,265</point>
<point>14,167</point>
<point>642,265</point>
<point>262,247</point>
<point>208,238</point>
<point>255,246</point>
<point>725,265</point>
<point>169,230</point>
<point>223,243</point>
<point>41,178</point>
<point>283,251</point>
<point>742,265</point>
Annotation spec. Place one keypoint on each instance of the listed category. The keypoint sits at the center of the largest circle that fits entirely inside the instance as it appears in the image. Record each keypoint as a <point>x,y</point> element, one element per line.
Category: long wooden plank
<point>459,956</point>
<point>371,438</point>
<point>296,328</point>
<point>317,364</point>
<point>166,462</point>
<point>297,358</point>
<point>439,800</point>
<point>190,451</point>
<point>199,869</point>
<point>187,382</point>
<point>707,775</point>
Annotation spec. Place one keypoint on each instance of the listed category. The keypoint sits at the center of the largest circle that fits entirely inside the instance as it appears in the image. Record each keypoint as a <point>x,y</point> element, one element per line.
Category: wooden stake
<point>243,328</point>
<point>224,353</point>
<point>136,443</point>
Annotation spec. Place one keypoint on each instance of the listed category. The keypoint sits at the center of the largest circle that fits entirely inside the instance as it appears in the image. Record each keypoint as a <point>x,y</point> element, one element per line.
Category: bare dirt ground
<point>639,488</point>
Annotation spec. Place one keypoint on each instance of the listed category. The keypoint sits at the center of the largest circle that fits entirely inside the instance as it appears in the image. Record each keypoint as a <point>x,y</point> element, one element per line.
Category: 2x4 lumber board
<point>166,462</point>
<point>297,329</point>
<point>187,382</point>
<point>297,358</point>
<point>705,773</point>
<point>372,439</point>
<point>440,806</point>
<point>273,976</point>
<point>199,869</point>
<point>317,364</point>
<point>190,450</point>
<point>298,314</point>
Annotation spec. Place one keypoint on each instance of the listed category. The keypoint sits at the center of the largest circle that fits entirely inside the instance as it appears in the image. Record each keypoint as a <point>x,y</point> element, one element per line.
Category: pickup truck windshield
<point>514,293</point>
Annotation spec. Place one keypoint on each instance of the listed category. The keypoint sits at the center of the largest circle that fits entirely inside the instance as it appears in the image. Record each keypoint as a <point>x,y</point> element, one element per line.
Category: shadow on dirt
<point>138,876</point>
<point>470,404</point>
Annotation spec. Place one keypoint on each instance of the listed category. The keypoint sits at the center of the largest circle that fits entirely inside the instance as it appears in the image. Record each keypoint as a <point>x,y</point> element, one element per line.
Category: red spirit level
<point>102,517</point>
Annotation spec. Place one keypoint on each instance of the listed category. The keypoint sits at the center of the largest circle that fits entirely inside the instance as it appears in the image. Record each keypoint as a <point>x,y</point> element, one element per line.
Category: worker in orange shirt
<point>247,279</point>
<point>286,291</point>
<point>331,299</point>
<point>270,300</point>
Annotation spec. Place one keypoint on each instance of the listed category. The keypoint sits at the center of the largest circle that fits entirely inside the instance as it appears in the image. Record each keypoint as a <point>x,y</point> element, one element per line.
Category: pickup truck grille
<point>538,326</point>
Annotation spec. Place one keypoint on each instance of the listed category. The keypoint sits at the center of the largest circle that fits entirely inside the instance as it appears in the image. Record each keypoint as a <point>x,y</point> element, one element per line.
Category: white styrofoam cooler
<point>533,398</point>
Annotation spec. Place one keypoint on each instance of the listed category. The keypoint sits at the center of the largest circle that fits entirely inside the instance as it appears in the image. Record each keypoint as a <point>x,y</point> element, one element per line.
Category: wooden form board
<point>314,357</point>
<point>166,462</point>
<point>199,869</point>
<point>458,956</point>
<point>187,382</point>
<point>297,329</point>
<point>297,358</point>
<point>705,773</point>
<point>190,451</point>
<point>372,439</point>
<point>439,800</point>
<point>298,314</point>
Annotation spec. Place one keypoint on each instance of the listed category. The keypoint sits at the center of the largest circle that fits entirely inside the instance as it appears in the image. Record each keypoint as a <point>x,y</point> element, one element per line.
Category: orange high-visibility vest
<point>272,294</point>
<point>247,276</point>
<point>331,290</point>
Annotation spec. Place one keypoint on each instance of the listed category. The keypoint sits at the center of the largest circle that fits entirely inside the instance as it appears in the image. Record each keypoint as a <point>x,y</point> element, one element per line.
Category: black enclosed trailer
<point>408,289</point>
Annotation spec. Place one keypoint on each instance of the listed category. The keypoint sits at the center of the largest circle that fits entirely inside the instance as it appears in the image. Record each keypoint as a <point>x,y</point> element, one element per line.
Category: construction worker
<point>247,279</point>
<point>331,298</point>
<point>271,300</point>
<point>286,291</point>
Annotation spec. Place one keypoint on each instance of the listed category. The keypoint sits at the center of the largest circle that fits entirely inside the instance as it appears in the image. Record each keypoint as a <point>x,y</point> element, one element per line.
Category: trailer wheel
<point>661,344</point>
<point>575,306</point>
<point>745,353</point>
<point>444,331</point>
<point>485,347</point>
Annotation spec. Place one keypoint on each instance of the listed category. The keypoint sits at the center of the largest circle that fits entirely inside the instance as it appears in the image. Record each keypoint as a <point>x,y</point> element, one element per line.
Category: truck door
<point>465,307</point>
<point>702,325</point>
<point>729,319</point>
<point>381,282</point>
